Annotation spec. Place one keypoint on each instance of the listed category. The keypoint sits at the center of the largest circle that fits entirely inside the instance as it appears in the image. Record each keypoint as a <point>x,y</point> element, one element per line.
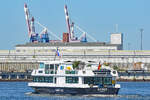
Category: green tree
<point>115,68</point>
<point>76,64</point>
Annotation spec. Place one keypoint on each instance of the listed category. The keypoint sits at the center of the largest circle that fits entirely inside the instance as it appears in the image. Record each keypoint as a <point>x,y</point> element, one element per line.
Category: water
<point>20,91</point>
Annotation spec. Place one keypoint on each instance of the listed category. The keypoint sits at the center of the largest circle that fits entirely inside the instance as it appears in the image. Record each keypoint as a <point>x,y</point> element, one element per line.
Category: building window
<point>17,50</point>
<point>72,79</point>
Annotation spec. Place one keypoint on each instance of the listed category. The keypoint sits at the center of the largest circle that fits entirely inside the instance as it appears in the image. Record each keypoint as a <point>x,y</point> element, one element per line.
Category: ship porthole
<point>114,72</point>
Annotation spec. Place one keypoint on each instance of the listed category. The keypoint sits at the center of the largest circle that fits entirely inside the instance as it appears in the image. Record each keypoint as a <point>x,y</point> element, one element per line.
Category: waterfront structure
<point>26,59</point>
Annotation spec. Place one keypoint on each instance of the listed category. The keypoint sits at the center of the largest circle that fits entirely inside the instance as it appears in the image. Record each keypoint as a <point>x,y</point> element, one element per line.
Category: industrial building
<point>27,57</point>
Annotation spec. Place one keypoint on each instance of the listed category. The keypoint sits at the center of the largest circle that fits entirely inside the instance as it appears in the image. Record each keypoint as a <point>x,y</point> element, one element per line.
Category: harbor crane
<point>34,37</point>
<point>43,37</point>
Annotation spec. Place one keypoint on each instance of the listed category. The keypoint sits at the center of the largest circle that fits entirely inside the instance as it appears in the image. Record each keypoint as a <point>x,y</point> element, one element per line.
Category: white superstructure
<point>54,75</point>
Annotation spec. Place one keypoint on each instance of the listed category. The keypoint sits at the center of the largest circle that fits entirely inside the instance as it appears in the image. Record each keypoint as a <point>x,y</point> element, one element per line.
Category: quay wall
<point>21,61</point>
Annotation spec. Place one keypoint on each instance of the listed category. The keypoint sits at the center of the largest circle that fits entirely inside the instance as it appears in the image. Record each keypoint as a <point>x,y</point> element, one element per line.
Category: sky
<point>97,17</point>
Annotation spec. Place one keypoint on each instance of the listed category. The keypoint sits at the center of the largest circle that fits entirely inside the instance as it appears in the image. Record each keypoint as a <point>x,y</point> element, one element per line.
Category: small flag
<point>99,66</point>
<point>57,52</point>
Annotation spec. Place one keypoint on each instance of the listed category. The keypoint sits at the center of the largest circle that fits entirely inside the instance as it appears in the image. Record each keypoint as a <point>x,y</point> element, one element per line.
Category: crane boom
<point>67,18</point>
<point>27,19</point>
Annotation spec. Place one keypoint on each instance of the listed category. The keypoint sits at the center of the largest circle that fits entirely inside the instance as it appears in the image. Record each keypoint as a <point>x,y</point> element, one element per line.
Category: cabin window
<point>48,79</point>
<point>93,80</point>
<point>56,66</point>
<point>51,69</point>
<point>40,79</point>
<point>97,80</point>
<point>35,79</point>
<point>47,66</point>
<point>107,80</point>
<point>84,72</point>
<point>40,71</point>
<point>43,79</point>
<point>51,66</point>
<point>51,72</point>
<point>47,69</point>
<point>88,80</point>
<point>41,65</point>
<point>70,72</point>
<point>72,79</point>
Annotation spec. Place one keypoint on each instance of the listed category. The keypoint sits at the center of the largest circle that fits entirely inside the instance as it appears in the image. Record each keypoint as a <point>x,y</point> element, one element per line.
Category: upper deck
<point>66,68</point>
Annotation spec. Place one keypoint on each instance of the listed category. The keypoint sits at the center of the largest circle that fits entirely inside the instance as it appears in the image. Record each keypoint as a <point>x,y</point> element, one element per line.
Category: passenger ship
<point>61,77</point>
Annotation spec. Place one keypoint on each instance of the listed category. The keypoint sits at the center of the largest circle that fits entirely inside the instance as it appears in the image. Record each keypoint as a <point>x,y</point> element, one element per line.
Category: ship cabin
<point>63,73</point>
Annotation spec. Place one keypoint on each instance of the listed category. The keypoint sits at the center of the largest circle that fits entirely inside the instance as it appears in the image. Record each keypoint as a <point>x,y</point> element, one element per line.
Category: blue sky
<point>97,17</point>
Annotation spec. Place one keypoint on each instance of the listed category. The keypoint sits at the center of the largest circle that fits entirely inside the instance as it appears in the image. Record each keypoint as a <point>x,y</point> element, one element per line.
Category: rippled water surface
<point>20,91</point>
